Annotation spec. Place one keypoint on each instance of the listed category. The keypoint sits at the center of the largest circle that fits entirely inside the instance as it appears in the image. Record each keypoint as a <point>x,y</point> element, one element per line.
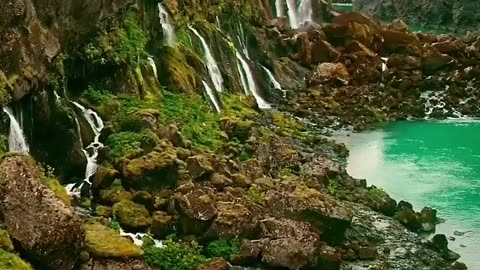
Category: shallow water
<point>428,163</point>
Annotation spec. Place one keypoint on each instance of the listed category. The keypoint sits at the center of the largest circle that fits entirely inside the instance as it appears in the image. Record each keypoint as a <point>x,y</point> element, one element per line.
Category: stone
<point>395,39</point>
<point>322,169</point>
<point>458,266</point>
<point>232,220</point>
<point>449,46</point>
<point>328,73</point>
<point>398,25</point>
<point>176,137</point>
<point>109,264</point>
<point>132,215</point>
<point>322,51</point>
<point>199,166</point>
<point>43,227</point>
<point>196,210</point>
<point>114,194</point>
<point>440,243</point>
<point>409,218</point>
<point>219,180</point>
<point>104,242</point>
<point>215,264</point>
<point>433,63</point>
<point>162,224</point>
<point>367,253</point>
<point>241,181</point>
<point>103,211</point>
<point>248,253</point>
<point>5,241</point>
<point>104,177</point>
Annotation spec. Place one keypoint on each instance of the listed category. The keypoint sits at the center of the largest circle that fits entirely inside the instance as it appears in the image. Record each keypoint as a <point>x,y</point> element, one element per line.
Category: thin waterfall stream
<point>16,139</point>
<point>167,27</point>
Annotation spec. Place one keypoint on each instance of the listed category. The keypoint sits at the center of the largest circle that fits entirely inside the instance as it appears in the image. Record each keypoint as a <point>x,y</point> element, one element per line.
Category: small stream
<point>428,163</point>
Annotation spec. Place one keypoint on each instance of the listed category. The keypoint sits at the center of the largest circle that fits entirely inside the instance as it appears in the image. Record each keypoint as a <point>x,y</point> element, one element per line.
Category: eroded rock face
<point>47,230</point>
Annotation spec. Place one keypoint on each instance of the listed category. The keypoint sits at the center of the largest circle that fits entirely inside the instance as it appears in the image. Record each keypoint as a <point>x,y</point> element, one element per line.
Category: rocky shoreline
<point>180,187</point>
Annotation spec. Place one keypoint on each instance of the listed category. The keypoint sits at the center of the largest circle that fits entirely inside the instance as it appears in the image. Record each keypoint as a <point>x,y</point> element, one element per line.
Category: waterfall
<point>137,238</point>
<point>279,8</point>
<point>57,97</point>
<point>168,30</point>
<point>16,139</point>
<point>91,151</point>
<point>212,65</point>
<point>211,96</point>
<point>384,64</point>
<point>305,12</point>
<point>154,67</point>
<point>275,83</point>
<point>249,83</point>
<point>217,23</point>
<point>292,13</point>
<point>433,100</point>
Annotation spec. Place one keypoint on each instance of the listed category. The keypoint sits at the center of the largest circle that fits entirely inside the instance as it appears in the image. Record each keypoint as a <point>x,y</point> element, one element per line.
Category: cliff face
<point>458,15</point>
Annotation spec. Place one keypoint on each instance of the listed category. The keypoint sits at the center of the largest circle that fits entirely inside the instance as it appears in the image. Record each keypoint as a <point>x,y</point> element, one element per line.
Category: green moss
<point>332,187</point>
<point>376,193</point>
<point>131,214</point>
<point>10,261</point>
<point>5,241</point>
<point>102,241</point>
<point>115,193</point>
<point>175,256</point>
<point>256,195</point>
<point>224,248</point>
<point>5,94</point>
<point>123,45</point>
<point>3,144</point>
<point>60,191</point>
<point>96,96</point>
<point>125,143</point>
<point>114,224</point>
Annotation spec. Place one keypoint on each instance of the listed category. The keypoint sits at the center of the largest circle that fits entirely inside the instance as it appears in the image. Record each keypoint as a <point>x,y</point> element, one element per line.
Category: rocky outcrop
<point>47,230</point>
<point>456,15</point>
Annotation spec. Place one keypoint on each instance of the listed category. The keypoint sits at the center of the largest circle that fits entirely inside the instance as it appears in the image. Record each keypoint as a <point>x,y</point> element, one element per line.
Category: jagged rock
<point>132,215</point>
<point>322,51</point>
<point>428,218</point>
<point>232,220</point>
<point>199,166</point>
<point>106,264</point>
<point>215,264</point>
<point>328,73</point>
<point>196,209</point>
<point>154,170</point>
<point>104,177</point>
<point>440,242</point>
<point>357,46</point>
<point>162,224</point>
<point>43,227</point>
<point>103,242</point>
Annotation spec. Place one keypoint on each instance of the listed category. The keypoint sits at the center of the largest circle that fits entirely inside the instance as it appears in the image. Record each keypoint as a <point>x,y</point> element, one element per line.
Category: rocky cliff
<point>458,15</point>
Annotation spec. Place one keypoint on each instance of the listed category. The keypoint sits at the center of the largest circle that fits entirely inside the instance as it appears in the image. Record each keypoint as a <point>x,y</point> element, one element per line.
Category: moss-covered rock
<point>104,177</point>
<point>5,241</point>
<point>199,166</point>
<point>10,261</point>
<point>101,241</point>
<point>103,211</point>
<point>116,193</point>
<point>162,224</point>
<point>58,189</point>
<point>132,215</point>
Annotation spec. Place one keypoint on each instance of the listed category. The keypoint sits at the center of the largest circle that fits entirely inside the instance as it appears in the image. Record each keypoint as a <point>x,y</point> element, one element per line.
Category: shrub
<point>123,143</point>
<point>96,96</point>
<point>175,256</point>
<point>223,248</point>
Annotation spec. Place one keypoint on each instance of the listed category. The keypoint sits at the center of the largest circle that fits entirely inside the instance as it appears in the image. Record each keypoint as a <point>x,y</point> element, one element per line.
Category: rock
<point>440,243</point>
<point>367,253</point>
<point>103,242</point>
<point>328,258</point>
<point>5,241</point>
<point>241,181</point>
<point>143,198</point>
<point>322,169</point>
<point>449,46</point>
<point>398,25</point>
<point>458,266</point>
<point>176,137</point>
<point>215,264</point>
<point>433,63</point>
<point>103,211</point>
<point>322,51</point>
<point>162,224</point>
<point>392,40</point>
<point>10,261</point>
<point>288,244</point>
<point>106,264</point>
<point>199,166</point>
<point>380,201</point>
<point>196,211</point>
<point>357,46</point>
<point>104,177</point>
<point>42,226</point>
<point>328,73</point>
<point>248,253</point>
<point>409,218</point>
<point>236,128</point>
<point>116,193</point>
<point>233,220</point>
<point>219,180</point>
<point>155,170</point>
<point>132,215</point>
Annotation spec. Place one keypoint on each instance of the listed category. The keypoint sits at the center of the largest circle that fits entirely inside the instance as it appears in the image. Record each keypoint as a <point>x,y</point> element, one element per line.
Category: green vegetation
<point>5,95</point>
<point>114,224</point>
<point>376,193</point>
<point>57,188</point>
<point>223,248</point>
<point>332,187</point>
<point>102,241</point>
<point>175,256</point>
<point>10,261</point>
<point>256,195</point>
<point>3,144</point>
<point>125,143</point>
<point>121,46</point>
<point>96,96</point>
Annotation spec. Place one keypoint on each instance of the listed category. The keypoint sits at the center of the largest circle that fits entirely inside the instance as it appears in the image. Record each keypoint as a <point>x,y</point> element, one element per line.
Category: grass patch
<point>175,256</point>
<point>224,248</point>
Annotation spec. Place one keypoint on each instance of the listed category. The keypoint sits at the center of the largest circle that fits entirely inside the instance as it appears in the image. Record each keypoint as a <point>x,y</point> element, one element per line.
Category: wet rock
<point>43,227</point>
<point>103,242</point>
<point>196,209</point>
<point>440,243</point>
<point>104,177</point>
<point>409,218</point>
<point>215,264</point>
<point>328,73</point>
<point>458,266</point>
<point>132,215</point>
<point>199,166</point>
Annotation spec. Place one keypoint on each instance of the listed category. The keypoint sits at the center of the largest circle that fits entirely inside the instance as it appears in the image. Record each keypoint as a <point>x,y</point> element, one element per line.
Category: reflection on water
<point>436,164</point>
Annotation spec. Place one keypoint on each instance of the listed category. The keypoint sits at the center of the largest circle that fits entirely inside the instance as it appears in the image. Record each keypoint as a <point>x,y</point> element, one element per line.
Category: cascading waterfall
<point>211,96</point>
<point>279,8</point>
<point>91,151</point>
<point>153,65</point>
<point>275,83</point>
<point>249,83</point>
<point>292,13</point>
<point>167,27</point>
<point>212,66</point>
<point>16,139</point>
<point>305,12</point>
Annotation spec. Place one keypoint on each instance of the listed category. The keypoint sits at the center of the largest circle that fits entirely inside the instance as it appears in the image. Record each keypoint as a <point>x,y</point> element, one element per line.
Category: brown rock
<point>398,25</point>
<point>435,62</point>
<point>215,264</point>
<point>104,177</point>
<point>162,224</point>
<point>449,46</point>
<point>196,211</point>
<point>199,166</point>
<point>321,169</point>
<point>367,253</point>
<point>233,219</point>
<point>40,224</point>
<point>106,264</point>
<point>322,51</point>
<point>395,39</point>
<point>328,73</point>
<point>357,46</point>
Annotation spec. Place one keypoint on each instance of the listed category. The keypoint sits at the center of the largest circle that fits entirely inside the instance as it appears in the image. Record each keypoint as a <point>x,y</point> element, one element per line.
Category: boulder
<point>449,46</point>
<point>114,194</point>
<point>393,40</point>
<point>433,63</point>
<point>322,51</point>
<point>103,242</point>
<point>328,73</point>
<point>398,25</point>
<point>108,264</point>
<point>215,264</point>
<point>367,253</point>
<point>45,228</point>
<point>321,169</point>
<point>196,211</point>
<point>162,224</point>
<point>132,215</point>
<point>232,220</point>
<point>199,166</point>
<point>104,177</point>
<point>155,170</point>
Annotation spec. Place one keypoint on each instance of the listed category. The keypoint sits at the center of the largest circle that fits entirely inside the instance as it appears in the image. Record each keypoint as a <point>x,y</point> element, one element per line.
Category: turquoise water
<point>432,163</point>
